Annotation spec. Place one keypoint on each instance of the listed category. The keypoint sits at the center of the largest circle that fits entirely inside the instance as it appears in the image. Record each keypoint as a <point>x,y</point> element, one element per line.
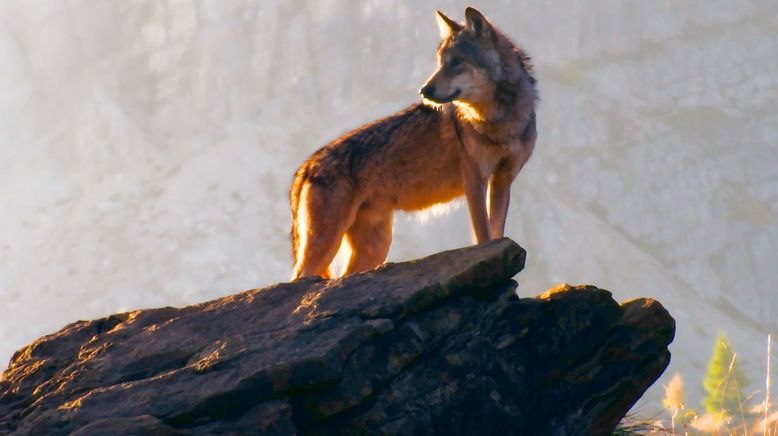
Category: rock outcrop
<point>441,345</point>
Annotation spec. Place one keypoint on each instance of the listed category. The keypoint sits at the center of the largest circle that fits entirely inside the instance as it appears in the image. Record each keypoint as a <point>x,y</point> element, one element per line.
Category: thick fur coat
<point>471,135</point>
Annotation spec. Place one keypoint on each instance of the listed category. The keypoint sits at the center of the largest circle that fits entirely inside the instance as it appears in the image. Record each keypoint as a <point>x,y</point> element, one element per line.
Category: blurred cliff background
<point>146,149</point>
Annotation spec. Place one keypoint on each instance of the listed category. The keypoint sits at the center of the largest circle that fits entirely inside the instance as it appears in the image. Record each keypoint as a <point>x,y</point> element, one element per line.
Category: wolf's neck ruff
<point>495,131</point>
<point>506,120</point>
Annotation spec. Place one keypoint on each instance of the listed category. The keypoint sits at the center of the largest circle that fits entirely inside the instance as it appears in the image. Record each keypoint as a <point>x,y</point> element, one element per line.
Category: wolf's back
<point>349,161</point>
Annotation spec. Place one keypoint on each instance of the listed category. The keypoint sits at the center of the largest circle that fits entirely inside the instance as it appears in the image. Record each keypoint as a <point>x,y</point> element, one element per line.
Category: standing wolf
<point>474,130</point>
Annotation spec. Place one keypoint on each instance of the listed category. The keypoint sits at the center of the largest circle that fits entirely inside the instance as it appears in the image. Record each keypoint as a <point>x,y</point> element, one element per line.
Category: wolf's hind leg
<point>322,218</point>
<point>370,237</point>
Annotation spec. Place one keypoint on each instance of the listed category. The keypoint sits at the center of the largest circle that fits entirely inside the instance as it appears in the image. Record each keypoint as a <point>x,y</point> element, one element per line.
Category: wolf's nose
<point>427,90</point>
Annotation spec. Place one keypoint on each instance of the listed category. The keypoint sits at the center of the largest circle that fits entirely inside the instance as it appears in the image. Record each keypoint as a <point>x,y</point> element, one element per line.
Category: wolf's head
<point>474,58</point>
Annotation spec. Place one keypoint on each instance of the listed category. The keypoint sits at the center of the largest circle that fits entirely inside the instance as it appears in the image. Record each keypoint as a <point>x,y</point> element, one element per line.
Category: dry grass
<point>758,419</point>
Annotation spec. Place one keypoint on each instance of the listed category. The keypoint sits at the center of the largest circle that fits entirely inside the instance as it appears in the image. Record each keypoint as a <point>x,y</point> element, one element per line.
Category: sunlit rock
<point>439,345</point>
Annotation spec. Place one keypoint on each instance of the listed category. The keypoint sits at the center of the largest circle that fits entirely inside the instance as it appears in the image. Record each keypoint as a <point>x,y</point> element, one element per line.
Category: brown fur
<point>472,135</point>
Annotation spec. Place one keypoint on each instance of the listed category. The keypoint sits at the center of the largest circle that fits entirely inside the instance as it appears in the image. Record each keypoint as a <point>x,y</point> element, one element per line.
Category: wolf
<point>471,134</point>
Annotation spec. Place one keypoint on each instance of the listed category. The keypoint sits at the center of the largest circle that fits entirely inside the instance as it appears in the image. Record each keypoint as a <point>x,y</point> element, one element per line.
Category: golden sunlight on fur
<point>436,210</point>
<point>472,135</point>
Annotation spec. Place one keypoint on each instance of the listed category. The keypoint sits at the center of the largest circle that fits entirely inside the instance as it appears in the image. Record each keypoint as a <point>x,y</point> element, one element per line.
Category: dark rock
<point>441,345</point>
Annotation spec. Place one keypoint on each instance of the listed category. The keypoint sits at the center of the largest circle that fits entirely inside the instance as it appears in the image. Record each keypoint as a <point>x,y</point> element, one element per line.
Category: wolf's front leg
<point>500,194</point>
<point>500,182</point>
<point>475,192</point>
<point>499,200</point>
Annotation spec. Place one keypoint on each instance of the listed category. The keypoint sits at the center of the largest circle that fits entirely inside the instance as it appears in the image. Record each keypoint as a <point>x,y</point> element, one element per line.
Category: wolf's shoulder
<point>383,130</point>
<point>417,113</point>
<point>346,153</point>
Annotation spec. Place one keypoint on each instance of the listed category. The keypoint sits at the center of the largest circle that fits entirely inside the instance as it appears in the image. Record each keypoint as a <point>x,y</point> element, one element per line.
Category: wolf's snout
<point>428,91</point>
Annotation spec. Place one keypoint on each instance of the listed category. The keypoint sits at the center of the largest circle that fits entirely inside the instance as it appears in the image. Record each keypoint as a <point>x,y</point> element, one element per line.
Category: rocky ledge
<point>440,345</point>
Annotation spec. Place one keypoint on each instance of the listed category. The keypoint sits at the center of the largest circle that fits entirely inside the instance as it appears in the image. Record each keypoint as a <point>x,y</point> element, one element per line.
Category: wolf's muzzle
<point>428,92</point>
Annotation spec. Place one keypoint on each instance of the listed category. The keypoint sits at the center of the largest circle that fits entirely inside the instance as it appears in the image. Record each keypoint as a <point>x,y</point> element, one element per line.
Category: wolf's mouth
<point>448,99</point>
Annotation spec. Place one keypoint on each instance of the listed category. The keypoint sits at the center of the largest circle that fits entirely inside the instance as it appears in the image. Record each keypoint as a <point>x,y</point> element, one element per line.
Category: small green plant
<point>724,381</point>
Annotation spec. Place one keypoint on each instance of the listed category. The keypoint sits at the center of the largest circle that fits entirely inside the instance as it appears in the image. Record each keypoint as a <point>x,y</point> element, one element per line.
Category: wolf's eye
<point>455,61</point>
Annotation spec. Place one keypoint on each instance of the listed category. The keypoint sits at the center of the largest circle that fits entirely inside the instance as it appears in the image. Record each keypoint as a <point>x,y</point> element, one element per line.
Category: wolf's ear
<point>476,24</point>
<point>446,25</point>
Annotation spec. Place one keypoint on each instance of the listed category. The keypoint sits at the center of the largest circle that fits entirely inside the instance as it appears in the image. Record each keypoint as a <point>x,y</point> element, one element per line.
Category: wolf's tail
<point>300,178</point>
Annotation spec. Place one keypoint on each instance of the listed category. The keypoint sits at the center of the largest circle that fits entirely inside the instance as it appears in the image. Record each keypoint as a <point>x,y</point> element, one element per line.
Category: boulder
<point>440,345</point>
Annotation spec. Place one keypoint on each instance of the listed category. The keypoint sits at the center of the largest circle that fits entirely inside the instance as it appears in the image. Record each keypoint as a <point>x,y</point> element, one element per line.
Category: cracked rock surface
<point>441,345</point>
